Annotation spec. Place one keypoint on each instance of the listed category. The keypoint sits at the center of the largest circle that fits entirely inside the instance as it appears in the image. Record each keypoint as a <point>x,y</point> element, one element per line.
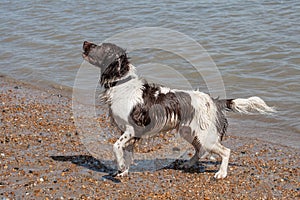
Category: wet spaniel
<point>141,109</point>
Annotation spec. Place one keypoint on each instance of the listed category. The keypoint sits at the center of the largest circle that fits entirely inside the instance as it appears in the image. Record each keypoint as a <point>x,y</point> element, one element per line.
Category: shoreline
<point>43,157</point>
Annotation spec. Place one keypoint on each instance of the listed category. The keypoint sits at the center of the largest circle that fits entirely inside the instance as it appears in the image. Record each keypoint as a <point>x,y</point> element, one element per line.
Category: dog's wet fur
<point>141,109</point>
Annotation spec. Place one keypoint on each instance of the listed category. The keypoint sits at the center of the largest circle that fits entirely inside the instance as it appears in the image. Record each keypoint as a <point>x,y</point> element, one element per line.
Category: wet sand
<point>42,157</point>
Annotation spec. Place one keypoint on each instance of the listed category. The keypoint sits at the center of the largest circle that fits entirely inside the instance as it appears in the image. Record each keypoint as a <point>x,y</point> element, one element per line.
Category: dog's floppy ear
<point>111,72</point>
<point>115,71</point>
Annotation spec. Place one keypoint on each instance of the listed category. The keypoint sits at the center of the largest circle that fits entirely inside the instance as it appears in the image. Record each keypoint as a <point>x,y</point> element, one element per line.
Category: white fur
<point>123,98</point>
<point>205,109</point>
<point>252,104</point>
<point>164,90</point>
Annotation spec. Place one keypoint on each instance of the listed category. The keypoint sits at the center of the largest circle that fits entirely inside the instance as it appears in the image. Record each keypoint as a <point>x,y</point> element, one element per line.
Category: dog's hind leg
<point>118,148</point>
<point>186,133</point>
<point>209,156</point>
<point>224,153</point>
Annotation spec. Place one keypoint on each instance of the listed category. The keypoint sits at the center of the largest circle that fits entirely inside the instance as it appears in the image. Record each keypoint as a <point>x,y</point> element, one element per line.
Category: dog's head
<point>102,55</point>
<point>110,58</point>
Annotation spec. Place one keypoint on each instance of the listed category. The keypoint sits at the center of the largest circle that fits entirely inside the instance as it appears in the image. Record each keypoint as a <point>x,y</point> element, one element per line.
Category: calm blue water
<point>254,44</point>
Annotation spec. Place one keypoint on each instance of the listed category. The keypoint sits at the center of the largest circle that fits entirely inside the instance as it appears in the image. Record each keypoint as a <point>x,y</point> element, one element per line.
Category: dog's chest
<point>122,99</point>
<point>120,109</point>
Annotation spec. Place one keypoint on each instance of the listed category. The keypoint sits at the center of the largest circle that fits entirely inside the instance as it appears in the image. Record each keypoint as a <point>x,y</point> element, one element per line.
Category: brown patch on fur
<point>169,102</point>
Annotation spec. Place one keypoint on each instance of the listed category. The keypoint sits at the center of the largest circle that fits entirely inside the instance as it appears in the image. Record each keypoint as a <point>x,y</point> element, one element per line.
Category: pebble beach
<point>42,157</point>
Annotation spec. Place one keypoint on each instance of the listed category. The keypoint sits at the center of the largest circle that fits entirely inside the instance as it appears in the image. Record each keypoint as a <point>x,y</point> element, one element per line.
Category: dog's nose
<point>86,47</point>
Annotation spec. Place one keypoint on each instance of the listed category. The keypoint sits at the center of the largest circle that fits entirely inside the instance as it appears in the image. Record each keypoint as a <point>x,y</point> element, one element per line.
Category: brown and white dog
<point>141,109</point>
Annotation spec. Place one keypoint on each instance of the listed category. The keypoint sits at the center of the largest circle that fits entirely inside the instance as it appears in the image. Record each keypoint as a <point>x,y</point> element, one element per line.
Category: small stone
<point>176,149</point>
<point>68,134</point>
<point>66,170</point>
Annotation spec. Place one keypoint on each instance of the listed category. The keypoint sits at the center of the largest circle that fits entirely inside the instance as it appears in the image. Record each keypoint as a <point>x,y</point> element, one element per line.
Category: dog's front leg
<point>119,150</point>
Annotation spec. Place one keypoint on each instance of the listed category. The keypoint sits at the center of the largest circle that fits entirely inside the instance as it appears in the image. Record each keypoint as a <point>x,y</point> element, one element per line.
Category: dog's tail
<point>246,106</point>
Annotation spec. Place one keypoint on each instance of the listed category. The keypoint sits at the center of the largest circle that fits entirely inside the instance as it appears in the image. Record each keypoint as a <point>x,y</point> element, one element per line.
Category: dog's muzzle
<point>87,47</point>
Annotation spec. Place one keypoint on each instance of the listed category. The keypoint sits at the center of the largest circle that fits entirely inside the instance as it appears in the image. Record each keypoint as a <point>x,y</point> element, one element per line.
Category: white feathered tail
<point>250,106</point>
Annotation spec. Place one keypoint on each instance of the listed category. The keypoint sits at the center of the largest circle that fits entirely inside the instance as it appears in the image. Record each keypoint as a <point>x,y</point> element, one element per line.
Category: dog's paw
<point>208,156</point>
<point>120,173</point>
<point>211,158</point>
<point>220,174</point>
